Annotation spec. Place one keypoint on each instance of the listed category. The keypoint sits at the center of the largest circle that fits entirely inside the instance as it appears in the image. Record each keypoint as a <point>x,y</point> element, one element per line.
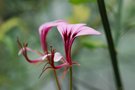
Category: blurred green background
<point>22,18</point>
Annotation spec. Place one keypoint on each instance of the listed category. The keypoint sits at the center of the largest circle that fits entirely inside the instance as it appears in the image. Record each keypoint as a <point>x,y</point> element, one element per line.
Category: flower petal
<point>57,57</point>
<point>87,31</point>
<point>61,65</point>
<point>45,56</point>
<point>28,49</point>
<point>43,30</point>
<point>76,29</point>
<point>50,24</point>
<point>35,60</point>
<point>24,52</point>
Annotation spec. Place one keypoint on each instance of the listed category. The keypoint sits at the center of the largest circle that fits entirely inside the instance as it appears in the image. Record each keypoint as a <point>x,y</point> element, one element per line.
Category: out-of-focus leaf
<point>128,15</point>
<point>9,44</point>
<point>81,13</point>
<point>129,25</point>
<point>4,79</point>
<point>8,25</point>
<point>92,44</point>
<point>81,1</point>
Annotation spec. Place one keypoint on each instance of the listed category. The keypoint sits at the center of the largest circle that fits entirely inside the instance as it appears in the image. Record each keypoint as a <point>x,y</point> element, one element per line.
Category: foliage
<point>92,44</point>
<point>21,18</point>
<point>81,1</point>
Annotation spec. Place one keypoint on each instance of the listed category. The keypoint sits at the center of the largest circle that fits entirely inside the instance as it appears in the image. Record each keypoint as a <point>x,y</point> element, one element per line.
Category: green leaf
<point>81,1</point>
<point>9,24</point>
<point>9,44</point>
<point>92,44</point>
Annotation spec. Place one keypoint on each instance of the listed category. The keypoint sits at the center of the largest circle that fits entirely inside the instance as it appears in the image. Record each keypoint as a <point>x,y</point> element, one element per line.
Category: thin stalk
<point>112,51</point>
<point>57,81</point>
<point>71,79</point>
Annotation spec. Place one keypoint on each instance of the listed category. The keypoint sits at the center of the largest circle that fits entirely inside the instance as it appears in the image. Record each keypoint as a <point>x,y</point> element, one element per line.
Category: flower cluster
<point>68,33</point>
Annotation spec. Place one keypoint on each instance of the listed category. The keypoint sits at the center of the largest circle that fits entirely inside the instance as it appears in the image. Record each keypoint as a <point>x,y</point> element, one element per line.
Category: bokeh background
<point>22,18</point>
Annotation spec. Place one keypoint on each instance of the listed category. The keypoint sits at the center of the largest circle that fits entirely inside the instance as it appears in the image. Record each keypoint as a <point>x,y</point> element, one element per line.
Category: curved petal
<point>43,30</point>
<point>34,60</point>
<point>45,56</point>
<point>24,52</point>
<point>61,66</point>
<point>68,28</point>
<point>76,27</point>
<point>87,31</point>
<point>50,24</point>
<point>28,49</point>
<point>76,30</point>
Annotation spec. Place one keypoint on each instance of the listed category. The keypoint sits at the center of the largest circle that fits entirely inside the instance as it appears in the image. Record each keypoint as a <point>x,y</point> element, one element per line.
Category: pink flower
<point>68,32</point>
<point>49,56</point>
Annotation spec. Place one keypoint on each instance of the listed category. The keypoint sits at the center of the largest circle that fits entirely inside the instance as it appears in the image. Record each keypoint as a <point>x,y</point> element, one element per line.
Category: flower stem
<point>103,14</point>
<point>71,83</point>
<point>57,81</point>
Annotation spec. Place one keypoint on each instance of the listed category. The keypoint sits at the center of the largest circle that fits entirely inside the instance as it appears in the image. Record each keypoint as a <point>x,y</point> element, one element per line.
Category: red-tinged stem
<point>57,80</point>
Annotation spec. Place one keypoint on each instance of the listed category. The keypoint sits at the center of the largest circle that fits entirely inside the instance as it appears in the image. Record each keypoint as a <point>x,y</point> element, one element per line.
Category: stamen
<point>44,71</point>
<point>45,65</point>
<point>19,43</point>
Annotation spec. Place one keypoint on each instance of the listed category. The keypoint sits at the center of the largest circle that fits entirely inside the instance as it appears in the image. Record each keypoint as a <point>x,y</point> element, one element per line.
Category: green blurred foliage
<point>77,14</point>
<point>81,1</point>
<point>92,44</point>
<point>21,18</point>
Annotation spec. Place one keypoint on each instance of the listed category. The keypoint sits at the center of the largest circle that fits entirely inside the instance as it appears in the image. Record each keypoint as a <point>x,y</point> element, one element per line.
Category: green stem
<point>71,83</point>
<point>112,51</point>
<point>57,81</point>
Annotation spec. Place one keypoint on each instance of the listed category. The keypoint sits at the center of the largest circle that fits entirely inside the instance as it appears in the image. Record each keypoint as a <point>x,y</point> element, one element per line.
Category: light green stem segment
<point>57,80</point>
<point>71,80</point>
